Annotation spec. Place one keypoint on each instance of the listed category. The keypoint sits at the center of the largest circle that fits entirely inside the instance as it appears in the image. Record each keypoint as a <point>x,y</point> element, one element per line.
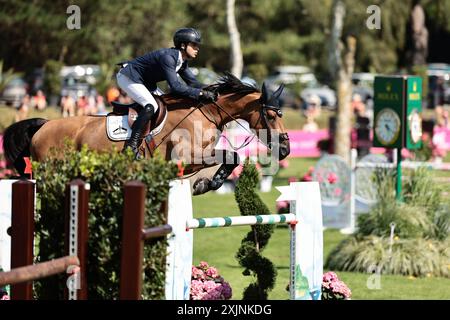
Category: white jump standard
<point>306,243</point>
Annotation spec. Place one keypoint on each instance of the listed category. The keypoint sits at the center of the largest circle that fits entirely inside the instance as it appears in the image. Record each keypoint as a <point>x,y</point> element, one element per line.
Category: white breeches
<point>136,91</point>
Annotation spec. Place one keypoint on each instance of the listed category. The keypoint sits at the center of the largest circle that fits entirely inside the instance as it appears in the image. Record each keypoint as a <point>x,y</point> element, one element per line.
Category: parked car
<point>79,80</point>
<point>14,92</point>
<point>327,95</point>
<point>438,72</point>
<point>292,74</point>
<point>301,77</point>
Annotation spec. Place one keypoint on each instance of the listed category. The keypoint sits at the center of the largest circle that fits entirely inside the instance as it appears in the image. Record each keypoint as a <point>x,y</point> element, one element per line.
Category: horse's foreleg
<point>229,160</point>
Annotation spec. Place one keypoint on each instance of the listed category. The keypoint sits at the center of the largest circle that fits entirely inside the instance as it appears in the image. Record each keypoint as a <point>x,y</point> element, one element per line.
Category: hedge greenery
<point>249,254</point>
<point>106,173</point>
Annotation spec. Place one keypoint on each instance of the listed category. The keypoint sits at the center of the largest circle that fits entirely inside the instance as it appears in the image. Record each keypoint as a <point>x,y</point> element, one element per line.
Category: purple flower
<point>226,290</point>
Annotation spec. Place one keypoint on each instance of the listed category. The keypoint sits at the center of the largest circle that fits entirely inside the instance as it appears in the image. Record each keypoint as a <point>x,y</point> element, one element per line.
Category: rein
<point>247,140</point>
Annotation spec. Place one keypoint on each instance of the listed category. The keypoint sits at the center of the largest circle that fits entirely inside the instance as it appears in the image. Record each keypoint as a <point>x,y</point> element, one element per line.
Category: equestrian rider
<point>138,78</point>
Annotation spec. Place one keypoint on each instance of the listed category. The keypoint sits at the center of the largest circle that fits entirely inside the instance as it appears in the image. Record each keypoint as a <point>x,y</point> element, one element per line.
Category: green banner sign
<point>397,112</point>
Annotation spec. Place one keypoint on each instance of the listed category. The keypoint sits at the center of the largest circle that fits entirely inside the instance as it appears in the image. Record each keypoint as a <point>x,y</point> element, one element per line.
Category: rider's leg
<point>139,93</point>
<point>137,129</point>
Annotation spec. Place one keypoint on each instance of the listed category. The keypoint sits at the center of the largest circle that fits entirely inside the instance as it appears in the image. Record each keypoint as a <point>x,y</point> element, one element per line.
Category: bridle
<point>262,115</point>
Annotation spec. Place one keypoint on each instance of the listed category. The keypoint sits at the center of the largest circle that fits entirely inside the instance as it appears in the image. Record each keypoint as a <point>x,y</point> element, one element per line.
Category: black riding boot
<point>138,129</point>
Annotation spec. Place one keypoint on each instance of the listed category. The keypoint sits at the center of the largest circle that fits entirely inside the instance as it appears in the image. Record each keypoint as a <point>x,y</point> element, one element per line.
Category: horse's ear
<point>264,96</point>
<point>278,92</point>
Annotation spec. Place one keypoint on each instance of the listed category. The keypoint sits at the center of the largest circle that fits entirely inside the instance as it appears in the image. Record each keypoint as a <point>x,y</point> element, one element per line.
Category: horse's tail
<point>17,140</point>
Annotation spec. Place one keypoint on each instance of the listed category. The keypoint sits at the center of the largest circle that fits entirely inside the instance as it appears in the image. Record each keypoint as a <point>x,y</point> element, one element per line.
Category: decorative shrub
<point>207,284</point>
<point>106,173</point>
<point>249,254</point>
<point>420,243</point>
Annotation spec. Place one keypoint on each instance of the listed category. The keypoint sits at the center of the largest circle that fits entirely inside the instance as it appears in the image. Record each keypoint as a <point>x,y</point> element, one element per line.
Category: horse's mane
<point>228,83</point>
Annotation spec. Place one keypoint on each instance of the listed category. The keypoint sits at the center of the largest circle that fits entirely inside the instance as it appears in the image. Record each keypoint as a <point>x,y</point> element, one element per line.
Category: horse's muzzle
<point>284,146</point>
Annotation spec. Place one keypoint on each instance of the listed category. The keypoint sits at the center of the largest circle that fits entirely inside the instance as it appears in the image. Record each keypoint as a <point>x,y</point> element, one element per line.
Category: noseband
<point>263,114</point>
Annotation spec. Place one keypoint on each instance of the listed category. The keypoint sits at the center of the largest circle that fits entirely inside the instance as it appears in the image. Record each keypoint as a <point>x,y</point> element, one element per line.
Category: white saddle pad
<point>118,129</point>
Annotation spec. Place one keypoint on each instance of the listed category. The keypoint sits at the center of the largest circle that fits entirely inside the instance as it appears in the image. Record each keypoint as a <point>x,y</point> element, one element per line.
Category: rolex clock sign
<point>397,112</point>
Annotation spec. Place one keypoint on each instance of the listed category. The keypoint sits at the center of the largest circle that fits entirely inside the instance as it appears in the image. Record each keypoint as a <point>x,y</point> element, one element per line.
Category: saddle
<point>121,119</point>
<point>132,110</point>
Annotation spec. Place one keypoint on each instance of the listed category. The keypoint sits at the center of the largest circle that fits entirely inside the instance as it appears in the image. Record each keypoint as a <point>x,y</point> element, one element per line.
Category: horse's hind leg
<point>228,160</point>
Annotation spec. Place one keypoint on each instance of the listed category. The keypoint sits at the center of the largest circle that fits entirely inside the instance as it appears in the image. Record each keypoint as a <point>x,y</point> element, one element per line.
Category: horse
<point>187,120</point>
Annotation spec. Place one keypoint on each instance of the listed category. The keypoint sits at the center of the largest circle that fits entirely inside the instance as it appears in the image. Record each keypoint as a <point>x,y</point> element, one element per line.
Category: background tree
<point>419,35</point>
<point>272,33</point>
<point>237,62</point>
<point>342,61</point>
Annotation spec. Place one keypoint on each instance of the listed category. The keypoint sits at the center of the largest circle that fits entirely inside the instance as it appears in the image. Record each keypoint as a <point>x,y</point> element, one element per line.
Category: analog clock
<point>387,126</point>
<point>415,126</point>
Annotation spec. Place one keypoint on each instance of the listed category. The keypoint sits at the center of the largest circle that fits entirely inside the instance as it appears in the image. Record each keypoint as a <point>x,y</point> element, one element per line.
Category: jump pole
<point>306,242</point>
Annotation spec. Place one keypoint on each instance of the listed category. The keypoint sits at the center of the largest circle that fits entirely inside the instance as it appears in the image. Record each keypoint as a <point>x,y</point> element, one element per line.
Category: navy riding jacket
<point>160,65</point>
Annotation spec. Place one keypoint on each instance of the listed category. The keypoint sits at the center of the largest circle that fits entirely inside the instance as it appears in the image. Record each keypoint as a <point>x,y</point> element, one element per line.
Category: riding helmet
<point>185,35</point>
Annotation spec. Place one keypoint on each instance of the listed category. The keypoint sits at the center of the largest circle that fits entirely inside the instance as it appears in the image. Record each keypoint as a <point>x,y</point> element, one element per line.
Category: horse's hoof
<point>214,184</point>
<point>201,186</point>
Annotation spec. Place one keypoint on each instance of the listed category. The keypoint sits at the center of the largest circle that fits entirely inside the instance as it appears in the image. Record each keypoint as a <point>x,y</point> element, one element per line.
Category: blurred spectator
<point>22,110</point>
<point>358,106</point>
<point>82,106</point>
<point>68,106</point>
<point>312,112</point>
<point>310,125</point>
<point>438,144</point>
<point>112,94</point>
<point>91,105</point>
<point>442,120</point>
<point>313,106</point>
<point>39,101</point>
<point>101,109</point>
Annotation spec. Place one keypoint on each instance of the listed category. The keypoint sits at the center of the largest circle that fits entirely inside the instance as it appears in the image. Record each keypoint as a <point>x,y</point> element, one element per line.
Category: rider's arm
<point>168,64</point>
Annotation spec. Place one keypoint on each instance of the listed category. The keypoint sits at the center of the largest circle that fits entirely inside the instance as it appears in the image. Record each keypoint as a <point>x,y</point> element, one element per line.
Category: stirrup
<point>138,156</point>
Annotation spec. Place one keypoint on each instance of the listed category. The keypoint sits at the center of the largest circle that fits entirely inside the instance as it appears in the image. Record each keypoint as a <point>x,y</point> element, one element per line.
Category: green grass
<point>219,246</point>
<point>8,115</point>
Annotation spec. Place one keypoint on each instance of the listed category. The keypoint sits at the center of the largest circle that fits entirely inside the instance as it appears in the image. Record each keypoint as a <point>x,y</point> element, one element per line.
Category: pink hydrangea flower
<point>282,205</point>
<point>329,276</point>
<point>284,163</point>
<point>212,272</point>
<point>197,273</point>
<point>332,178</point>
<point>207,284</point>
<point>333,288</point>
